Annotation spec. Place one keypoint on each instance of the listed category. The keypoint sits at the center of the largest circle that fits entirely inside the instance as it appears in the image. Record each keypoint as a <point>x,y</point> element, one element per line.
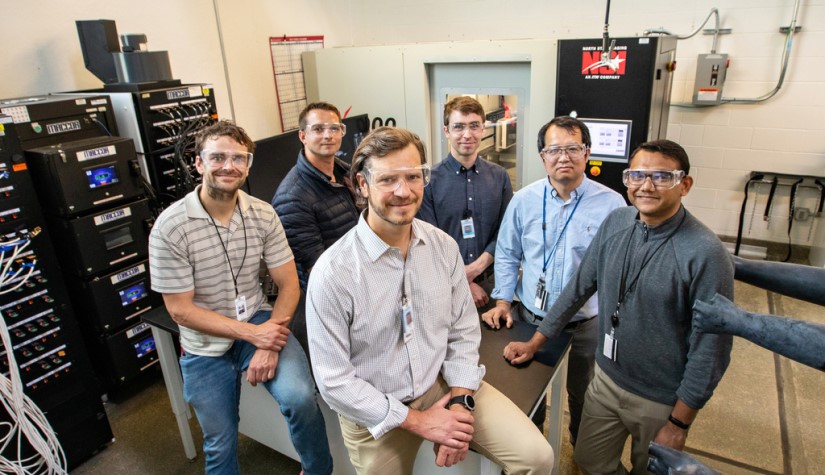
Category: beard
<point>385,210</point>
<point>220,191</point>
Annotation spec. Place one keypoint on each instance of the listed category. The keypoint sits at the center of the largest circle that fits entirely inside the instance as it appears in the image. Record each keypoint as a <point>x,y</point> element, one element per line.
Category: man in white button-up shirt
<point>394,333</point>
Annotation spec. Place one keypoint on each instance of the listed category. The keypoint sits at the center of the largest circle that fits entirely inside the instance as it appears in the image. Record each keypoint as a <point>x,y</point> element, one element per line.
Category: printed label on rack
<point>137,329</point>
<point>121,276</point>
<point>177,94</point>
<point>91,154</point>
<point>61,127</point>
<point>112,216</point>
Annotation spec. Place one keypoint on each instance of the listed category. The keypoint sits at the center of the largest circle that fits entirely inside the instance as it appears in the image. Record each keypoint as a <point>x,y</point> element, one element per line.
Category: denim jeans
<point>212,385</point>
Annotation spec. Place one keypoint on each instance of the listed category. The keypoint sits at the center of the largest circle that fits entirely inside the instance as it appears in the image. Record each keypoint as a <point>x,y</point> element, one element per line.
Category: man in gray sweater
<point>649,263</point>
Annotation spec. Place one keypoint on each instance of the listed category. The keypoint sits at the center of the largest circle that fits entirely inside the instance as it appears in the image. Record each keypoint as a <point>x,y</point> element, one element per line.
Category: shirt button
<point>470,198</point>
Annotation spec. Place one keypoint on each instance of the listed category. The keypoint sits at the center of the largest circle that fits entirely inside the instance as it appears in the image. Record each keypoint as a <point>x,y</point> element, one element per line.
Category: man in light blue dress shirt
<point>547,228</point>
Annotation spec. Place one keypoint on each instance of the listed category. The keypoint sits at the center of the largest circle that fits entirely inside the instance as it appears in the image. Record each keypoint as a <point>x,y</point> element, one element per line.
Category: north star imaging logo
<point>594,67</point>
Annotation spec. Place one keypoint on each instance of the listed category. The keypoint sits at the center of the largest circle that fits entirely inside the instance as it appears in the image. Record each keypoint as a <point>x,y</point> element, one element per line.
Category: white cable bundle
<point>27,420</point>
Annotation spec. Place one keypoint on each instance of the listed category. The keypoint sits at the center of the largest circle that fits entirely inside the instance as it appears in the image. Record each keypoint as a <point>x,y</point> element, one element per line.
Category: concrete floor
<point>767,416</point>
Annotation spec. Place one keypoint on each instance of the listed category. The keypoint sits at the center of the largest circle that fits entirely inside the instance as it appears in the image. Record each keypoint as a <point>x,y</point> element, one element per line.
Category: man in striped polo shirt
<point>205,252</point>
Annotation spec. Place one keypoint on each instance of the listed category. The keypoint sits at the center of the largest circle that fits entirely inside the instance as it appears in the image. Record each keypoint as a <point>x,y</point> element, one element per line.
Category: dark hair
<point>302,117</point>
<point>465,105</point>
<point>669,149</point>
<point>223,128</point>
<point>567,123</point>
<point>378,144</point>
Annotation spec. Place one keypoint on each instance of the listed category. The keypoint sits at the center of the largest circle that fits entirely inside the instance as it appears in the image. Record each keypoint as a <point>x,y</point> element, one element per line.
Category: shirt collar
<point>374,245</point>
<point>666,226</point>
<point>456,167</point>
<point>583,186</point>
<point>195,209</point>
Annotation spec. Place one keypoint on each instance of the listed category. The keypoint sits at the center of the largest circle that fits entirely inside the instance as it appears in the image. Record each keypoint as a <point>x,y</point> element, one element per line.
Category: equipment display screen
<point>610,138</point>
<point>144,347</point>
<point>133,293</point>
<point>101,176</point>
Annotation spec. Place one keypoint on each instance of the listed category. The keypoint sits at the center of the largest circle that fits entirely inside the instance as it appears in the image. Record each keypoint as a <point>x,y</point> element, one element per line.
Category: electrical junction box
<point>710,78</point>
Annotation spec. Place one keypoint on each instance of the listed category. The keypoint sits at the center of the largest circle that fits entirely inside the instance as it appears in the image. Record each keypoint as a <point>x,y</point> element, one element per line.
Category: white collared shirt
<point>364,368</point>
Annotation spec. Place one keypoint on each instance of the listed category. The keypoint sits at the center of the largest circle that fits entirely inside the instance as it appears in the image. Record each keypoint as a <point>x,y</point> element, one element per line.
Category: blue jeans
<point>212,385</point>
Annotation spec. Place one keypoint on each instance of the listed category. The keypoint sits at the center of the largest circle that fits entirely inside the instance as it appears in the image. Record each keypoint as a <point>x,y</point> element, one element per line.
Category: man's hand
<point>500,312</point>
<point>671,436</point>
<point>268,336</point>
<point>448,456</point>
<point>262,366</point>
<point>452,429</point>
<point>517,352</point>
<point>480,297</point>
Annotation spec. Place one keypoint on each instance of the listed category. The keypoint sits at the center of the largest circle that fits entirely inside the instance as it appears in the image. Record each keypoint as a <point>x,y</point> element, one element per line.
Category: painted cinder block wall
<point>785,134</point>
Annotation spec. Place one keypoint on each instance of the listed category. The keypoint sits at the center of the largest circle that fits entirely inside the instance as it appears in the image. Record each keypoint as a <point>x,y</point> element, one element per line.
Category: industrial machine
<point>623,96</point>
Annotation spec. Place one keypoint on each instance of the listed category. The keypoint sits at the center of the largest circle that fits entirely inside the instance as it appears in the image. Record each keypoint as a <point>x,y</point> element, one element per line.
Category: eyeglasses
<point>218,158</point>
<point>574,152</point>
<point>458,127</point>
<point>663,179</point>
<point>390,180</point>
<point>319,129</point>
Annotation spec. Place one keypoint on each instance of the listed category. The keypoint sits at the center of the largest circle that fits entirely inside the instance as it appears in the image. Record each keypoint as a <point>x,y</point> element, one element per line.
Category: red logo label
<point>592,63</point>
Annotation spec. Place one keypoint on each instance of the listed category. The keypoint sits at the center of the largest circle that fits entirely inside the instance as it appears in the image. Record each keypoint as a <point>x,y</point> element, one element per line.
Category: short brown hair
<point>325,106</point>
<point>378,144</point>
<point>223,128</point>
<point>465,105</point>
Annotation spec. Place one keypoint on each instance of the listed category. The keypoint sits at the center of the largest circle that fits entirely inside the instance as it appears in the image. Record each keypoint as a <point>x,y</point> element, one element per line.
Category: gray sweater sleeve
<point>710,271</point>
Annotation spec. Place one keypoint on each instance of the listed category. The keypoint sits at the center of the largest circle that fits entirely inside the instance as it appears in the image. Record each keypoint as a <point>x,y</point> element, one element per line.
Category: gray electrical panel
<point>710,78</point>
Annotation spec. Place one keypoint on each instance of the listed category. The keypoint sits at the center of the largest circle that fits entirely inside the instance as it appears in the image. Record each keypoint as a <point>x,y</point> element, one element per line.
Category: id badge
<point>240,307</point>
<point>406,321</point>
<point>610,345</point>
<point>468,229</point>
<point>541,295</point>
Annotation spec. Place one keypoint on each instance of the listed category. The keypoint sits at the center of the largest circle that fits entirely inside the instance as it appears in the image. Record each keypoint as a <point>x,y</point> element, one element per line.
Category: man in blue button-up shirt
<point>468,195</point>
<point>545,231</point>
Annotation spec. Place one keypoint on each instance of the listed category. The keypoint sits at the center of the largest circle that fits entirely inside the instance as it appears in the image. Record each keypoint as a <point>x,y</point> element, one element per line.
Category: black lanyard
<point>225,252</point>
<point>624,288</point>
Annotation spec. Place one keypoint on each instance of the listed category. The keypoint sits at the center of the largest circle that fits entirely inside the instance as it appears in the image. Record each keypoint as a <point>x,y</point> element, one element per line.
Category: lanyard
<point>225,252</point>
<point>544,227</point>
<point>624,287</point>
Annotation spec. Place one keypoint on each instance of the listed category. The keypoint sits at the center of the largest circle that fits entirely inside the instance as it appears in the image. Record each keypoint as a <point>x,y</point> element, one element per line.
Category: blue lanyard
<point>544,228</point>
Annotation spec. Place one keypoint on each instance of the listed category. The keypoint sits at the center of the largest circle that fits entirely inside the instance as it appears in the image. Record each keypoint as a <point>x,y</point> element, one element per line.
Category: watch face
<point>469,402</point>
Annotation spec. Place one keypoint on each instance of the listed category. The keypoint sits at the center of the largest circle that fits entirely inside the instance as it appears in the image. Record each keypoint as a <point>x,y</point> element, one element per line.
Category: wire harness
<point>26,421</point>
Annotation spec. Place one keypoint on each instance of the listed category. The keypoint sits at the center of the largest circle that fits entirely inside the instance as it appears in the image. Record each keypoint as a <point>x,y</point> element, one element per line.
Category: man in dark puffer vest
<point>315,201</point>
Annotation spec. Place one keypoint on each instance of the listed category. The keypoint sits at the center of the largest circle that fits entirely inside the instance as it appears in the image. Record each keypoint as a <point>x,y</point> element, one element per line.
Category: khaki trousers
<point>502,433</point>
<point>611,414</point>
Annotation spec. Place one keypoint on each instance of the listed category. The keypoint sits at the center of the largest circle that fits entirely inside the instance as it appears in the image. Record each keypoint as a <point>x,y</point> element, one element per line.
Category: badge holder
<point>541,295</point>
<point>240,308</point>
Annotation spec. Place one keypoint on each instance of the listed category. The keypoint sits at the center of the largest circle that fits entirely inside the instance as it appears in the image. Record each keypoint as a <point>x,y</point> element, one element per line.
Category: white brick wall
<point>785,134</point>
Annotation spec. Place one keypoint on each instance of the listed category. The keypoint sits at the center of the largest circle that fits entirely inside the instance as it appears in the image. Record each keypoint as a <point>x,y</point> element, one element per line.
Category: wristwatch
<point>465,400</point>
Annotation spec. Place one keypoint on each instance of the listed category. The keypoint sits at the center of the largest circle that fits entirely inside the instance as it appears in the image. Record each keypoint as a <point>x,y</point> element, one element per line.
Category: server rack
<point>89,182</point>
<point>55,369</point>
